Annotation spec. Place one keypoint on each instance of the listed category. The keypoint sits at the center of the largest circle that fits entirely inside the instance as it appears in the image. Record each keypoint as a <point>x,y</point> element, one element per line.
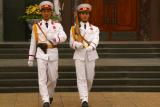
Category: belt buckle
<point>50,46</point>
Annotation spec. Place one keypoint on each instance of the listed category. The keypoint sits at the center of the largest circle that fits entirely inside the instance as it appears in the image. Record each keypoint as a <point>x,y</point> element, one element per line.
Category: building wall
<point>155,20</point>
<point>13,30</point>
<point>1,20</point>
<point>67,16</point>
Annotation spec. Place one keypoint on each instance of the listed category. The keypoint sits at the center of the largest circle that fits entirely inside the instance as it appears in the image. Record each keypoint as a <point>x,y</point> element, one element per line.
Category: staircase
<point>123,66</point>
<point>105,50</point>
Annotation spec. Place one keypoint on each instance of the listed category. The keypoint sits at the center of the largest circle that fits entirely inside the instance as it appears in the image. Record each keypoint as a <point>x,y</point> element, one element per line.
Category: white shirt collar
<point>82,23</point>
<point>49,21</point>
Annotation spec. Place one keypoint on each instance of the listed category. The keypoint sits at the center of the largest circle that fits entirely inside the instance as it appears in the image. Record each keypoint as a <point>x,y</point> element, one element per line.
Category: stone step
<point>99,50</point>
<point>68,68</point>
<point>118,88</point>
<point>101,55</point>
<point>72,82</point>
<point>116,44</point>
<point>105,50</point>
<point>98,74</point>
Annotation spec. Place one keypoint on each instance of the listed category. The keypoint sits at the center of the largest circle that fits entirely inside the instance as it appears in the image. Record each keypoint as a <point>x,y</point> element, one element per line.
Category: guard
<point>84,38</point>
<point>46,35</point>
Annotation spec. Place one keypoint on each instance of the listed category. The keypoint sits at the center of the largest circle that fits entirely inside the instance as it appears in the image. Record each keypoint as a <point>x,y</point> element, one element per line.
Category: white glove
<point>55,40</point>
<point>78,45</point>
<point>83,33</point>
<point>89,48</point>
<point>30,63</point>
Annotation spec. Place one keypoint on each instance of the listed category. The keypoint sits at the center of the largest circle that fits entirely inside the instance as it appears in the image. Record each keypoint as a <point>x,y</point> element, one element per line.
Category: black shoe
<point>51,100</point>
<point>85,104</point>
<point>46,104</point>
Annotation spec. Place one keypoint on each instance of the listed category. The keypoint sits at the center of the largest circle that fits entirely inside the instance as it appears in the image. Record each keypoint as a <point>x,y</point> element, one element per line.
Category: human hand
<point>89,48</point>
<point>83,33</point>
<point>30,63</point>
<point>78,45</point>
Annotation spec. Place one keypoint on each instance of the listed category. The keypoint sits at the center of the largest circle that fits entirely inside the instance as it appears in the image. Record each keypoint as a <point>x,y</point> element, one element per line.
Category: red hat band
<point>46,6</point>
<point>84,9</point>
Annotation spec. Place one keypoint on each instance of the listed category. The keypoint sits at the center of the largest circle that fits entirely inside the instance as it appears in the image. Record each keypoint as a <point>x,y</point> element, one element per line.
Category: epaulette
<point>54,27</point>
<point>39,22</point>
<point>52,22</point>
<point>56,21</point>
<point>91,27</point>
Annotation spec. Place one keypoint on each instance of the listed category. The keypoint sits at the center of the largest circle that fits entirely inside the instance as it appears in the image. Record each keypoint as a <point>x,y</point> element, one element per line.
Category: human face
<point>46,14</point>
<point>84,16</point>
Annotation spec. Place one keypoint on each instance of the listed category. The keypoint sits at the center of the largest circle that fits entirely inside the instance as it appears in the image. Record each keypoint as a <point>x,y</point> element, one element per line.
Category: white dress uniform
<point>85,58</point>
<point>47,63</point>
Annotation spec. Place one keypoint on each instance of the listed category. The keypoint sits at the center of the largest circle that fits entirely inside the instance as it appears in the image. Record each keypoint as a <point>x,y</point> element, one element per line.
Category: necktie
<point>84,26</point>
<point>46,24</point>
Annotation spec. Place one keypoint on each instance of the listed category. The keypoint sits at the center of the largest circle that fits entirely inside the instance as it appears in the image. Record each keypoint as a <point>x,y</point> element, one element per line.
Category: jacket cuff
<point>93,45</point>
<point>31,57</point>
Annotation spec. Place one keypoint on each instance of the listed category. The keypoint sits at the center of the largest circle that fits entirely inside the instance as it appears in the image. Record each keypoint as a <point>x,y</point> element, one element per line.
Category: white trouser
<point>85,71</point>
<point>47,78</point>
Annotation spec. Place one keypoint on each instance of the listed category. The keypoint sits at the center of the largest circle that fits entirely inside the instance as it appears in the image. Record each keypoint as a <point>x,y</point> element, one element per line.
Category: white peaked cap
<point>46,5</point>
<point>84,7</point>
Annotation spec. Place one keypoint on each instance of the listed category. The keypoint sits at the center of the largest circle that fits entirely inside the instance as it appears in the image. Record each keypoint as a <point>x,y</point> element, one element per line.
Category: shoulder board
<point>91,26</point>
<point>52,22</point>
<point>39,21</point>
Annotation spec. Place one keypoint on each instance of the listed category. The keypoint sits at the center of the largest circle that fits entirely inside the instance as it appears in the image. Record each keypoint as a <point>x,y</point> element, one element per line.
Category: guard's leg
<point>42,79</point>
<point>52,77</point>
<point>90,70</point>
<point>81,80</point>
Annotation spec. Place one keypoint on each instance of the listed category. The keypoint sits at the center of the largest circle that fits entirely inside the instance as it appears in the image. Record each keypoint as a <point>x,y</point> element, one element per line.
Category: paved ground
<point>101,99</point>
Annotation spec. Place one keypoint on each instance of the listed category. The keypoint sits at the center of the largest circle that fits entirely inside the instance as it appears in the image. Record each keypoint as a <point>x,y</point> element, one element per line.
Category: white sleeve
<point>32,50</point>
<point>95,41</point>
<point>61,34</point>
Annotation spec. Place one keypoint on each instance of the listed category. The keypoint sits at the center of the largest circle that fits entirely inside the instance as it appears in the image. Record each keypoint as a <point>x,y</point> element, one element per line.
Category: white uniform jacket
<point>91,34</point>
<point>54,31</point>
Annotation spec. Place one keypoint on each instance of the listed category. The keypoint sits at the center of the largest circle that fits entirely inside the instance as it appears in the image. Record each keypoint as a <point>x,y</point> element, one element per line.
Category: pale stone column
<point>1,20</point>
